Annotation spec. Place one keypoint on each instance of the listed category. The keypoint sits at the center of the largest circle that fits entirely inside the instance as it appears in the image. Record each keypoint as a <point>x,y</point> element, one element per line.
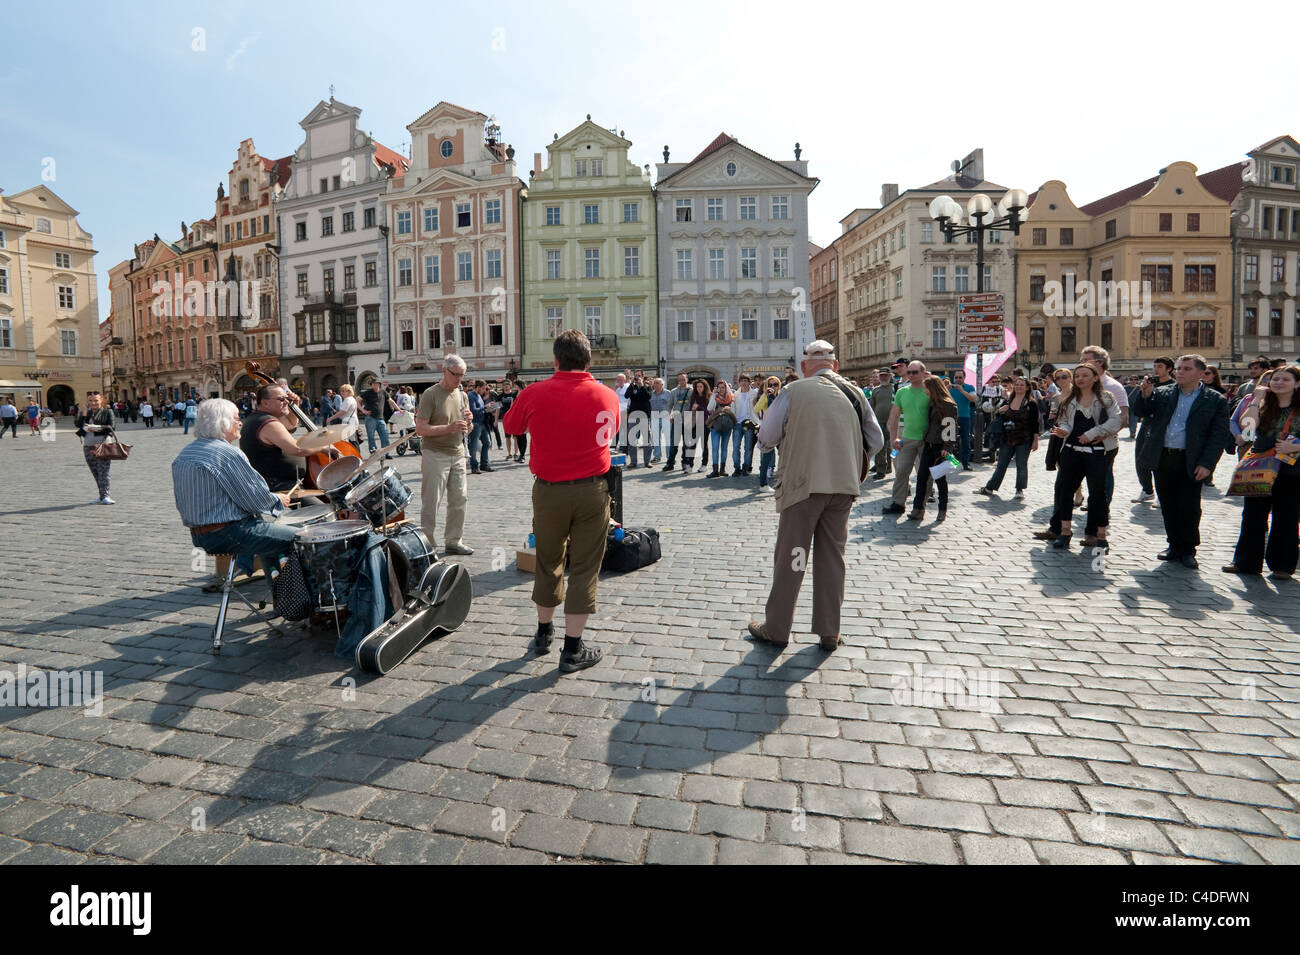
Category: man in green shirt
<point>912,406</point>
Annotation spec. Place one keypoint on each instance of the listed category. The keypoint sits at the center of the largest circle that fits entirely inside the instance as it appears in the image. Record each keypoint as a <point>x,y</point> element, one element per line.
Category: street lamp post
<point>978,217</point>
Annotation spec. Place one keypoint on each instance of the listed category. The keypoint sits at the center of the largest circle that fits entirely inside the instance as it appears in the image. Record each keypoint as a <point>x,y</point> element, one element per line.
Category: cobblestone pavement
<point>1125,712</point>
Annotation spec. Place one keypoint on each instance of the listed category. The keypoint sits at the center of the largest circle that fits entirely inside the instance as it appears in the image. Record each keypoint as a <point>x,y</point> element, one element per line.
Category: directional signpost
<point>980,329</point>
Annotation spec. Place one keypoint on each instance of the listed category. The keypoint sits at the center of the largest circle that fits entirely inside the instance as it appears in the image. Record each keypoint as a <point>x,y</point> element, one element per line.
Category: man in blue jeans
<point>374,405</point>
<point>478,437</point>
<point>964,396</point>
<point>743,405</point>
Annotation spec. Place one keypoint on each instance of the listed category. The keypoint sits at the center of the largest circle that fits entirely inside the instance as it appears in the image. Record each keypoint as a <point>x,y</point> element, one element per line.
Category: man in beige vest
<point>442,421</point>
<point>816,422</point>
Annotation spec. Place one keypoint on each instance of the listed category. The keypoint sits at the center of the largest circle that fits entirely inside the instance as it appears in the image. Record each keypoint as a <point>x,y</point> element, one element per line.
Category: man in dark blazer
<point>1189,430</point>
<point>882,400</point>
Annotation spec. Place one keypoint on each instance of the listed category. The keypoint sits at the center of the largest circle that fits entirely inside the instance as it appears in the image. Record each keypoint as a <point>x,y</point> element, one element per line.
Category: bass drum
<point>409,554</point>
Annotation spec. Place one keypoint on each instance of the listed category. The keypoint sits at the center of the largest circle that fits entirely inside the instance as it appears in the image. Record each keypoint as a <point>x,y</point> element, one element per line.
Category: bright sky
<point>142,126</point>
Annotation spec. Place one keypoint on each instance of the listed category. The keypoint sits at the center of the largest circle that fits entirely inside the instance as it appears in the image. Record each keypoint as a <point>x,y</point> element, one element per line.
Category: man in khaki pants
<point>442,421</point>
<point>816,422</point>
<point>572,419</point>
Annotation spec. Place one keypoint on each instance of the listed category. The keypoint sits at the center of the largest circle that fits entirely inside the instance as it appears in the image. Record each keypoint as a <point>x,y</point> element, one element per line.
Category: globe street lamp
<point>979,216</point>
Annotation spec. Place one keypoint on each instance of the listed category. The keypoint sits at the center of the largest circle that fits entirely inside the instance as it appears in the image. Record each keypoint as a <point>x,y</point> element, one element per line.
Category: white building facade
<point>333,273</point>
<point>733,261</point>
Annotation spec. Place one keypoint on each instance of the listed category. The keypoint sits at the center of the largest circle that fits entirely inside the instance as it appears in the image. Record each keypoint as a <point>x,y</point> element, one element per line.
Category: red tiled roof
<point>721,140</point>
<point>1223,183</point>
<point>280,170</point>
<point>391,158</point>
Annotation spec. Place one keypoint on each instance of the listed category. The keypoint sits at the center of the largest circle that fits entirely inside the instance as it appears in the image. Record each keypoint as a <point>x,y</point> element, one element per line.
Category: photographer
<point>1017,422</point>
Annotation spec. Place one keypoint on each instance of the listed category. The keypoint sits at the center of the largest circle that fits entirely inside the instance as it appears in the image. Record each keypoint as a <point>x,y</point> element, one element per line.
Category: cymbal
<point>384,450</point>
<point>323,438</point>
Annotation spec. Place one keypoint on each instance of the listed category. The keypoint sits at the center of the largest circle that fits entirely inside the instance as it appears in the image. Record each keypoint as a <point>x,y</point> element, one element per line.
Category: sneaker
<point>585,656</point>
<point>485,468</point>
<point>985,491</point>
<point>668,467</point>
<point>1020,495</point>
<point>916,515</point>
<point>1144,497</point>
<point>106,500</point>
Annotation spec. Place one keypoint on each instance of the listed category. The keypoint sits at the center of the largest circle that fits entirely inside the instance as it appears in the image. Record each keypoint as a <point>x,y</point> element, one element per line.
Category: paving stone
<point>1122,833</point>
<point>1043,795</point>
<point>937,813</point>
<point>74,829</point>
<point>1206,813</point>
<point>405,809</point>
<point>404,847</point>
<point>1062,853</point>
<point>263,853</point>
<point>1029,823</point>
<point>563,837</point>
<point>349,836</point>
<point>614,808</point>
<point>997,850</point>
<point>103,794</point>
<point>615,844</point>
<point>1115,801</point>
<point>904,845</point>
<point>747,824</point>
<point>1212,844</point>
<point>287,825</point>
<point>842,802</point>
<point>801,829</point>
<point>532,797</point>
<point>738,852</point>
<point>676,848</point>
<point>766,795</point>
<point>137,840</point>
<point>655,813</point>
<point>715,789</point>
<point>477,821</point>
<point>342,798</point>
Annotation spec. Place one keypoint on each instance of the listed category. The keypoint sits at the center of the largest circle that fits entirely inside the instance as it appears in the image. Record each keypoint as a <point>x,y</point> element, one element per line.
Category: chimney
<point>537,164</point>
<point>888,193</point>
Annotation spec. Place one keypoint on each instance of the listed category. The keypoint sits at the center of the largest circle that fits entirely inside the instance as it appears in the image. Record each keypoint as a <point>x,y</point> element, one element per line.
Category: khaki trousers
<point>908,455</point>
<point>814,531</point>
<point>572,518</point>
<point>443,472</point>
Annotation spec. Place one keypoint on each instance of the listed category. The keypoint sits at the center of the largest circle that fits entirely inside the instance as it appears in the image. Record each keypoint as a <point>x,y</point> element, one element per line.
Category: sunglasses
<point>913,372</point>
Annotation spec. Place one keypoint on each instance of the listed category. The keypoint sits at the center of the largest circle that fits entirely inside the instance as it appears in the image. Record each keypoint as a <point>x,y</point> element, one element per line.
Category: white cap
<point>819,349</point>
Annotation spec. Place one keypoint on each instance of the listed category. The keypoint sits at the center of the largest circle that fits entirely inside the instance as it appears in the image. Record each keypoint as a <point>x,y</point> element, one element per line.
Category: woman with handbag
<point>1088,426</point>
<point>940,441</point>
<point>1279,422</point>
<point>766,459</point>
<point>94,426</point>
<point>1018,422</point>
<point>693,432</point>
<point>720,423</point>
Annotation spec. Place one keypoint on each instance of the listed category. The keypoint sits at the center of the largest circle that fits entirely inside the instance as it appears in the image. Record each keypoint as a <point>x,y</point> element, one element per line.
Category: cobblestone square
<point>995,702</point>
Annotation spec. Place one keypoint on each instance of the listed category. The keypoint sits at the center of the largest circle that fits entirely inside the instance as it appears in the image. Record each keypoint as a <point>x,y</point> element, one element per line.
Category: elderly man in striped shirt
<point>221,498</point>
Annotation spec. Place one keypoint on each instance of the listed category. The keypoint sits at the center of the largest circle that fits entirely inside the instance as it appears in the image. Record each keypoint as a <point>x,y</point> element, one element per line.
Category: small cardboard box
<point>526,560</point>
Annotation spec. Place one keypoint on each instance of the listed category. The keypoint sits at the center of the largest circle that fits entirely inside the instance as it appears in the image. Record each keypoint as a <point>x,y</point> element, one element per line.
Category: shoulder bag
<point>110,449</point>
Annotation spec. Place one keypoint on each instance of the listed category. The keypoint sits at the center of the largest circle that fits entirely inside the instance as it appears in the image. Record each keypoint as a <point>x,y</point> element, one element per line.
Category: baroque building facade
<point>454,247</point>
<point>49,301</point>
<point>333,263</point>
<point>589,258</point>
<point>248,242</point>
<point>733,260</point>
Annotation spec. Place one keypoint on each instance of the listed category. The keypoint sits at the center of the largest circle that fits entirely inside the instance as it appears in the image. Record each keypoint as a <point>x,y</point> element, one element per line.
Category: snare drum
<point>409,554</point>
<point>379,498</point>
<point>338,478</point>
<point>331,557</point>
<point>307,515</point>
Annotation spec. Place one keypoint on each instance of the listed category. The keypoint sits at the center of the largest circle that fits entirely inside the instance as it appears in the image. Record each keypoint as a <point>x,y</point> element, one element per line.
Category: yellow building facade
<point>49,304</point>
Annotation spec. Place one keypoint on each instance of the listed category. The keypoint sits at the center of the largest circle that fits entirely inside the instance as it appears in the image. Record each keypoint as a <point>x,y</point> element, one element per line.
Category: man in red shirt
<point>572,419</point>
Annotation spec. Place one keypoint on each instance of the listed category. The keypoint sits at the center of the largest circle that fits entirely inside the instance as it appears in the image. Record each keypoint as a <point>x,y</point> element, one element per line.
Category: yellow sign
<point>735,329</point>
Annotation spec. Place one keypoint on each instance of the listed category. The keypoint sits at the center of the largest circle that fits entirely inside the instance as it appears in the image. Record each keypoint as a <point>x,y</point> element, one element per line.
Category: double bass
<point>316,462</point>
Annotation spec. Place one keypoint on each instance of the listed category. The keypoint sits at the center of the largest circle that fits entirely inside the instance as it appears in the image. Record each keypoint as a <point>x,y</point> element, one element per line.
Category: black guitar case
<point>438,606</point>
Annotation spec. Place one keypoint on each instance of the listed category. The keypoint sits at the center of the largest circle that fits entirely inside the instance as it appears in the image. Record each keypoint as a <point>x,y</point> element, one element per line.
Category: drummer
<point>266,440</point>
<point>221,498</point>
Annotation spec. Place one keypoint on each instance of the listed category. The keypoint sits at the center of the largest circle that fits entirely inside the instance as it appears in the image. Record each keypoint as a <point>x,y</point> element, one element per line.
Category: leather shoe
<point>1167,554</point>
<point>1046,535</point>
<point>893,508</point>
<point>759,632</point>
<point>1234,569</point>
<point>1187,560</point>
<point>830,643</point>
<point>460,549</point>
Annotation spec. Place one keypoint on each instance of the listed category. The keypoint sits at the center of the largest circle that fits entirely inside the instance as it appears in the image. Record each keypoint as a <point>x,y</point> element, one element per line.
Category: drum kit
<point>333,536</point>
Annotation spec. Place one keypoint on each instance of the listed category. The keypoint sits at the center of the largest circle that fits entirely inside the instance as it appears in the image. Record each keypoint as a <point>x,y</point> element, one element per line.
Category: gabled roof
<point>278,168</point>
<point>960,182</point>
<point>33,195</point>
<point>588,125</point>
<point>451,109</point>
<point>390,157</point>
<point>721,140</point>
<point>1222,183</point>
<point>1274,141</point>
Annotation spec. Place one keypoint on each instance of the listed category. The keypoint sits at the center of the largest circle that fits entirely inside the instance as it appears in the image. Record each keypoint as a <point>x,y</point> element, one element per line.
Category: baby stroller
<point>401,424</point>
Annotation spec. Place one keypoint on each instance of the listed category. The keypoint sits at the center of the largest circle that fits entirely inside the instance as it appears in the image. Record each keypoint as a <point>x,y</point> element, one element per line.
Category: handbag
<point>1255,475</point>
<point>111,449</point>
<point>1053,455</point>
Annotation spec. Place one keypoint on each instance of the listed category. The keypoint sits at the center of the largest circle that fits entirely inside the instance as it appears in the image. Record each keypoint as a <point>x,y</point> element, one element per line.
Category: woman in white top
<point>347,413</point>
<point>146,414</point>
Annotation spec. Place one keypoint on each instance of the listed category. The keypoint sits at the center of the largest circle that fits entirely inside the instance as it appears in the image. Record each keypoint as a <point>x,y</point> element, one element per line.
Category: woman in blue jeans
<point>766,458</point>
<point>1016,421</point>
<point>719,429</point>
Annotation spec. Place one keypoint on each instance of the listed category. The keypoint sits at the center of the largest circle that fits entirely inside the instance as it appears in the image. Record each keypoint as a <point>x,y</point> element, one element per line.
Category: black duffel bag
<point>638,548</point>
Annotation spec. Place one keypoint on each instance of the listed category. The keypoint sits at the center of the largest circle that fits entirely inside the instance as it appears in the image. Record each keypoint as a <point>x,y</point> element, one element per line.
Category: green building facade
<point>589,259</point>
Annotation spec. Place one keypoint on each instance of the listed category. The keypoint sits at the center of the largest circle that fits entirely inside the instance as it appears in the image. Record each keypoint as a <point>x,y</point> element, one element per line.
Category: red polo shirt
<point>571,419</point>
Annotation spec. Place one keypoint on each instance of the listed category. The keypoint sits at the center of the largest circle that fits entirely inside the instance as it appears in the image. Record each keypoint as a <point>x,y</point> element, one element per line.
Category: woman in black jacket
<point>1279,424</point>
<point>1017,421</point>
<point>940,441</point>
<point>93,427</point>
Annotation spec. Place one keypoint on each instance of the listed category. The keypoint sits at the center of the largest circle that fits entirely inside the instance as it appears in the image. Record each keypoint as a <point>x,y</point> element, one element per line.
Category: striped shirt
<point>214,483</point>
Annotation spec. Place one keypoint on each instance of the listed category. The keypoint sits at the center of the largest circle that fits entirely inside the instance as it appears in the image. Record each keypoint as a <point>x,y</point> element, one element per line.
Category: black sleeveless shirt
<point>267,460</point>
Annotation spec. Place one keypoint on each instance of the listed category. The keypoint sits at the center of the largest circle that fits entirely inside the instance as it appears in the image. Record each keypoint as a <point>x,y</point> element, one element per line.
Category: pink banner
<point>994,361</point>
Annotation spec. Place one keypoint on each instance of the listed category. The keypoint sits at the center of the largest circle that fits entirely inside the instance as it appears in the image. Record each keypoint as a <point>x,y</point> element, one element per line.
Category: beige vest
<point>821,452</point>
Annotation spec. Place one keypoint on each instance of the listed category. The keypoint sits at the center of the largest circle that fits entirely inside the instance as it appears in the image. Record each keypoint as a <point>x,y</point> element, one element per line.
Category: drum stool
<point>228,588</point>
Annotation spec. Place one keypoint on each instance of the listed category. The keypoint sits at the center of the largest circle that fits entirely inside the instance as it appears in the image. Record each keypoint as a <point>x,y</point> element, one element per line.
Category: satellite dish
<point>956,165</point>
